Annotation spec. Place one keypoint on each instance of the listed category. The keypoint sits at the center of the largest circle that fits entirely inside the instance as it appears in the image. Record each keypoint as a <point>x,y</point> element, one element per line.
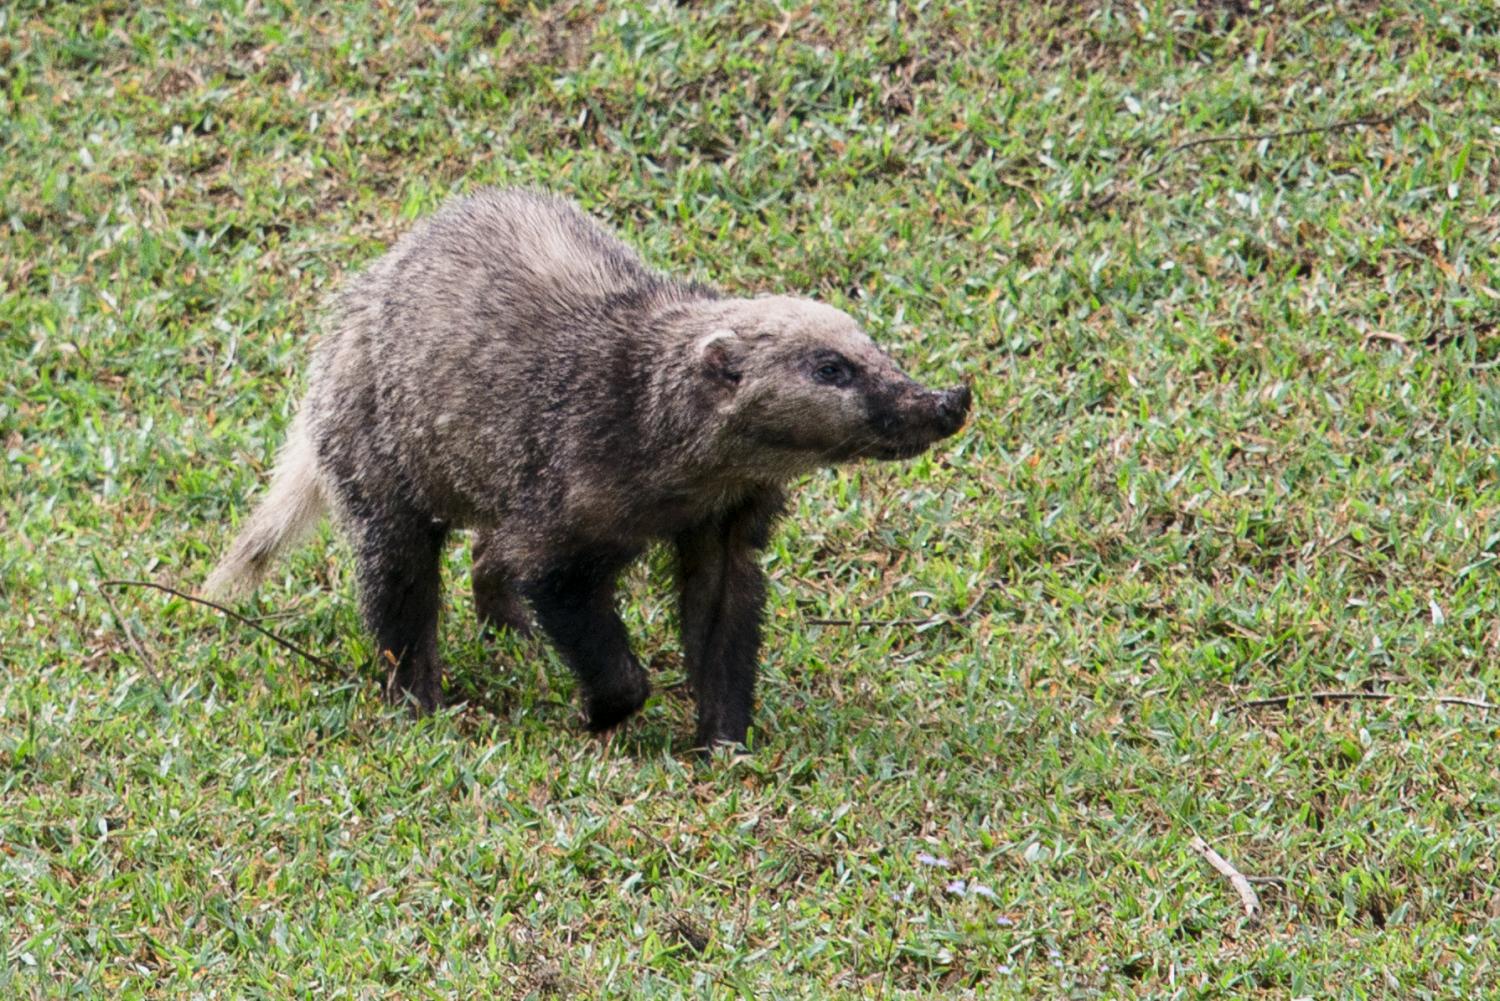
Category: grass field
<point>1235,439</point>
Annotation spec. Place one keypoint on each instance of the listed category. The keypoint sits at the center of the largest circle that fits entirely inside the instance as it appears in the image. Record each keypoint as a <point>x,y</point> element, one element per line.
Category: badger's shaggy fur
<point>511,367</point>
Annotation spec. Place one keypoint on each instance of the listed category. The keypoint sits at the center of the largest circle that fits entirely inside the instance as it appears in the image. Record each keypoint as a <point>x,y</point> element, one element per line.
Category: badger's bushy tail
<point>291,508</point>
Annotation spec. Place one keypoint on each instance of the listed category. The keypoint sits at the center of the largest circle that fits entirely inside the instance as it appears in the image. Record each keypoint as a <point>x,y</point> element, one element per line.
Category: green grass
<point>1235,437</point>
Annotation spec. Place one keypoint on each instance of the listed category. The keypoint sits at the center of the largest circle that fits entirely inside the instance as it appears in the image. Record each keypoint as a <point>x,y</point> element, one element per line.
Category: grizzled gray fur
<point>512,368</point>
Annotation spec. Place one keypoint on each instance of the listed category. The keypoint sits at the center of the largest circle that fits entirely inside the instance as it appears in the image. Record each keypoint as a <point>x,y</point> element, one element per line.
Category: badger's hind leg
<point>575,606</point>
<point>400,588</point>
<point>497,602</point>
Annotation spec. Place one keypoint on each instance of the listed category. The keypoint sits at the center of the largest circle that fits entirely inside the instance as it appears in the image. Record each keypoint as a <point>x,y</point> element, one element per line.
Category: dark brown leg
<point>722,592</point>
<point>574,604</point>
<point>400,589</point>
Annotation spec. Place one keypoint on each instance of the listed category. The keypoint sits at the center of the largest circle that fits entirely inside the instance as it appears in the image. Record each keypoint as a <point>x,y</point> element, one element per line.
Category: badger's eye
<point>833,373</point>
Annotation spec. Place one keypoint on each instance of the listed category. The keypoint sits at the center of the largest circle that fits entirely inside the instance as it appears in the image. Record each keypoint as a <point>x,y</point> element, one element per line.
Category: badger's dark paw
<point>421,696</point>
<point>606,710</point>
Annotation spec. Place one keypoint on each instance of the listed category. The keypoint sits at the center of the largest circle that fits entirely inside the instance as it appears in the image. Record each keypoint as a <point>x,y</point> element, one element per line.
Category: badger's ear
<point>719,356</point>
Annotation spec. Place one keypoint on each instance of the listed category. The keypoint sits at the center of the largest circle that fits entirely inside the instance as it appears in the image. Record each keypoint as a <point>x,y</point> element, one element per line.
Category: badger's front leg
<point>574,604</point>
<point>721,596</point>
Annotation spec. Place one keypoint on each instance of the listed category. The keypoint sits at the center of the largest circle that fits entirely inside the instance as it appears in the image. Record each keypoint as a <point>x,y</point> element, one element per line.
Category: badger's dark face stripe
<point>817,391</point>
<point>902,418</point>
<point>829,368</point>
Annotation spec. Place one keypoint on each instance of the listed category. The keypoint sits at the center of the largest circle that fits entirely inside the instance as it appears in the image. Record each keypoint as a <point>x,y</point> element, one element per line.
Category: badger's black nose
<point>953,407</point>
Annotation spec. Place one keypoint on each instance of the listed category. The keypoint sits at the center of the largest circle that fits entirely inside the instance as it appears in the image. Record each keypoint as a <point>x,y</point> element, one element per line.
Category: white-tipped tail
<point>290,510</point>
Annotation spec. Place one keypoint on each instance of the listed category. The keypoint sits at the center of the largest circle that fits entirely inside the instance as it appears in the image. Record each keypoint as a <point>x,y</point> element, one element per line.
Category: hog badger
<point>512,368</point>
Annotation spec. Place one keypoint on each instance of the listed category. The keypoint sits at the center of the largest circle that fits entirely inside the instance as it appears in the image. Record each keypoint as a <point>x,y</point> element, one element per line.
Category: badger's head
<point>799,385</point>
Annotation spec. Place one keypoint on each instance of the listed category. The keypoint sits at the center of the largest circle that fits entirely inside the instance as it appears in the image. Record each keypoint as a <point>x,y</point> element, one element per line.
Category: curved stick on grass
<point>236,616</point>
<point>1281,701</point>
<point>1237,879</point>
<point>941,619</point>
<point>1105,198</point>
<point>140,650</point>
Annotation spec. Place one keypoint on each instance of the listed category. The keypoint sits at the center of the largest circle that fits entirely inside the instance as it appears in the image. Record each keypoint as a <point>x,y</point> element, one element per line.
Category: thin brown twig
<point>1104,199</point>
<point>1237,879</point>
<point>236,616</point>
<point>1281,701</point>
<point>1306,130</point>
<point>929,620</point>
<point>147,661</point>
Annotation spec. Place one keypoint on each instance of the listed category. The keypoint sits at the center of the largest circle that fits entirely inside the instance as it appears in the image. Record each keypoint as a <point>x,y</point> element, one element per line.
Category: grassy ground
<point>1235,439</point>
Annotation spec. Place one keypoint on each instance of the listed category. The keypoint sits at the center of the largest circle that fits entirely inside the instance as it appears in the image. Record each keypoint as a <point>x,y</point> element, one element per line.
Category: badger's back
<point>527,243</point>
<point>496,264</point>
<point>483,351</point>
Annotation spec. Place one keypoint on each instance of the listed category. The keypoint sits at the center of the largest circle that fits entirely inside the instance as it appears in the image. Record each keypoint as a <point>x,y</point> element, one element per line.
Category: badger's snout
<point>938,413</point>
<point>916,418</point>
<point>953,409</point>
